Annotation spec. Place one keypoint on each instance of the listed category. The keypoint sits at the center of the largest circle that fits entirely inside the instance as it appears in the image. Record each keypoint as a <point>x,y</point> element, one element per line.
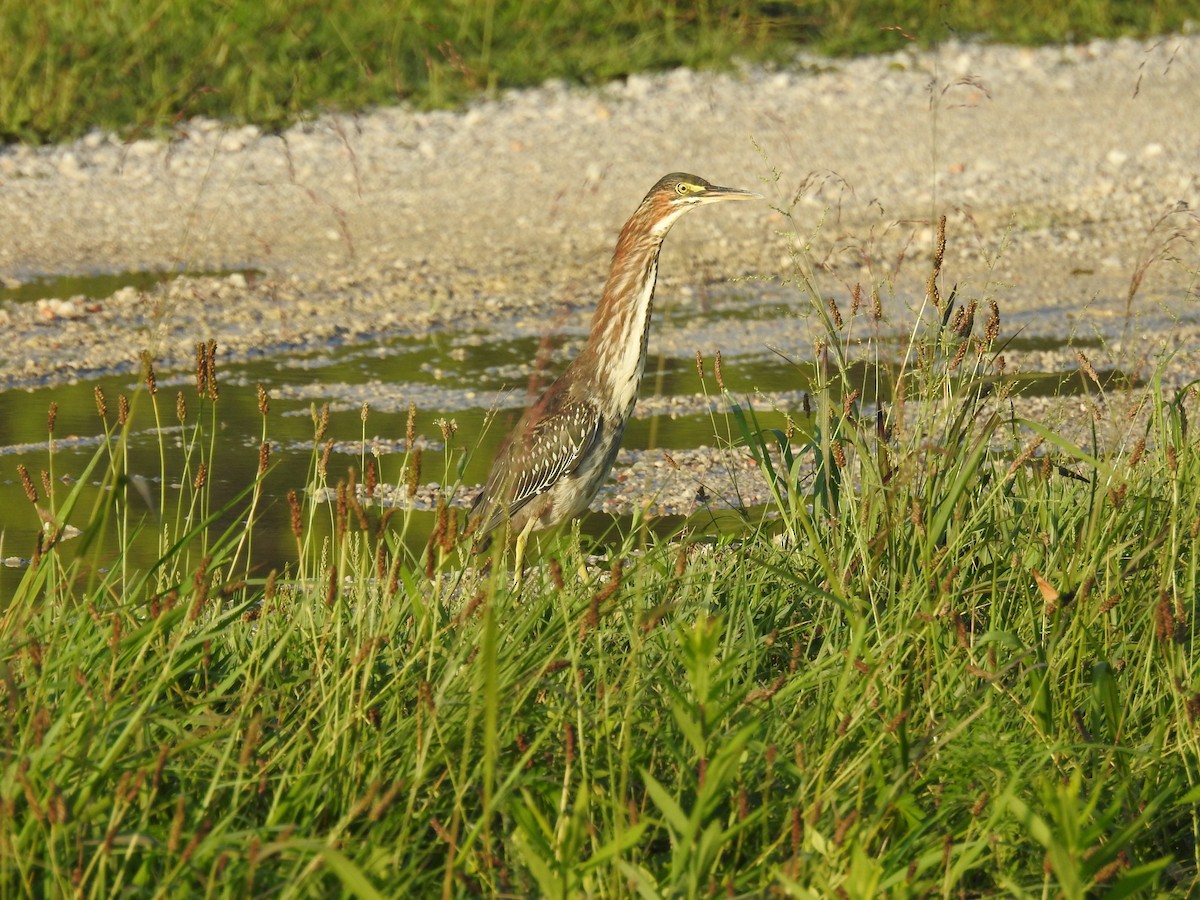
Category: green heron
<point>563,447</point>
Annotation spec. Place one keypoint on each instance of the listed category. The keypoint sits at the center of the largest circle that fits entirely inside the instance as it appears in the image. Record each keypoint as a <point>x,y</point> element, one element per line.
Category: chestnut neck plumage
<point>616,350</point>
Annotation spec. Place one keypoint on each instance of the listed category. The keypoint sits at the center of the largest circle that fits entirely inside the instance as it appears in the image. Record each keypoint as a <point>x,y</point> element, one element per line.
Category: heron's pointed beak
<point>715,193</point>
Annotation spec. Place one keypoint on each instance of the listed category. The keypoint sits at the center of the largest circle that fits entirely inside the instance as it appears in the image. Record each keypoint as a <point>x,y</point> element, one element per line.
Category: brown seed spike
<point>210,370</point>
<point>1138,450</point>
<point>341,511</point>
<point>122,410</point>
<point>835,313</point>
<point>176,826</point>
<point>51,417</point>
<point>939,252</point>
<point>148,372</point>
<point>410,428</point>
<point>372,481</point>
<point>959,355</point>
<point>201,370</point>
<point>264,400</point>
<point>297,517</point>
<point>181,407</point>
<point>264,457</point>
<point>720,376</point>
<point>101,406</point>
<point>1086,365</point>
<point>699,365</point>
<point>200,589</point>
<point>27,483</point>
<point>322,423</point>
<point>413,474</point>
<point>992,329</point>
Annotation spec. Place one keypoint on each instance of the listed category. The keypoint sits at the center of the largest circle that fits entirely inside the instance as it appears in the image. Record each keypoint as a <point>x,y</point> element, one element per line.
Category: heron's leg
<point>578,542</point>
<point>522,539</point>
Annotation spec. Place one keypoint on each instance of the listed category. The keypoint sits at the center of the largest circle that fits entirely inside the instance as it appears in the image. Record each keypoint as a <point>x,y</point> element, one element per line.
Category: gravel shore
<point>1053,166</point>
<point>1064,172</point>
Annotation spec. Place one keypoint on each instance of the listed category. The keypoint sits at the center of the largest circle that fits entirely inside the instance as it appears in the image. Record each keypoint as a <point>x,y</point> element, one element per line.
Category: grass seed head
<point>331,586</point>
<point>210,370</point>
<point>27,483</point>
<point>201,370</point>
<point>342,510</point>
<point>372,481</point>
<point>200,584</point>
<point>381,560</point>
<point>148,372</point>
<point>51,416</point>
<point>964,319</point>
<point>991,331</point>
<point>264,399</point>
<point>959,354</point>
<point>101,406</point>
<point>843,827</point>
<point>322,423</point>
<point>835,313</point>
<point>122,410</point>
<point>1139,450</point>
<point>323,462</point>
<point>1086,365</point>
<point>412,474</point>
<point>939,250</point>
<point>1164,618</point>
<point>181,407</point>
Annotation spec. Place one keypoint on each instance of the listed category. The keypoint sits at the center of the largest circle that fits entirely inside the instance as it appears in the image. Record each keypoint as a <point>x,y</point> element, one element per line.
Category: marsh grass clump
<point>958,658</point>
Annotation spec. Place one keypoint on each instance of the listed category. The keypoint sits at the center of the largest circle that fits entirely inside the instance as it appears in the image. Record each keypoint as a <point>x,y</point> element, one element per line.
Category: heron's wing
<point>548,444</point>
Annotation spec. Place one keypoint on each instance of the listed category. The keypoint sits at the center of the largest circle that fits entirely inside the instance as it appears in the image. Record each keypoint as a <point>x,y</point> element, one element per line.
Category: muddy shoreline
<point>1063,172</point>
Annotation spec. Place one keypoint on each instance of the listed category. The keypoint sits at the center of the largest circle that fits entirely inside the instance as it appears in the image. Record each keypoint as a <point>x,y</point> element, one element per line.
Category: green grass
<point>950,665</point>
<point>138,68</point>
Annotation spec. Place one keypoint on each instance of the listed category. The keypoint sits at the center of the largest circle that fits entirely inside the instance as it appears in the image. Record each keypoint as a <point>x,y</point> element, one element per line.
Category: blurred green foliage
<point>133,66</point>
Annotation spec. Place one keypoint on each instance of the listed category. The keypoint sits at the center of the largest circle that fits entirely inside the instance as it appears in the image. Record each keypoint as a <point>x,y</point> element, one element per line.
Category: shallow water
<point>448,376</point>
<point>99,285</point>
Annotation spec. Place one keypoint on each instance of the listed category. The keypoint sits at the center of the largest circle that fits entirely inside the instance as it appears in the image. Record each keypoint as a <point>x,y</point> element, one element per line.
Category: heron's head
<point>678,192</point>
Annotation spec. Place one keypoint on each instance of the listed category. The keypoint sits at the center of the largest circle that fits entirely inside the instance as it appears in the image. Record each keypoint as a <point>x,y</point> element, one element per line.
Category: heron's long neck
<point>621,326</point>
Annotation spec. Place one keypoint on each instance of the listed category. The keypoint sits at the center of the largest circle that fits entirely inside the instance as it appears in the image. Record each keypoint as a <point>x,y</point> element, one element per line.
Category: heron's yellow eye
<point>682,188</point>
